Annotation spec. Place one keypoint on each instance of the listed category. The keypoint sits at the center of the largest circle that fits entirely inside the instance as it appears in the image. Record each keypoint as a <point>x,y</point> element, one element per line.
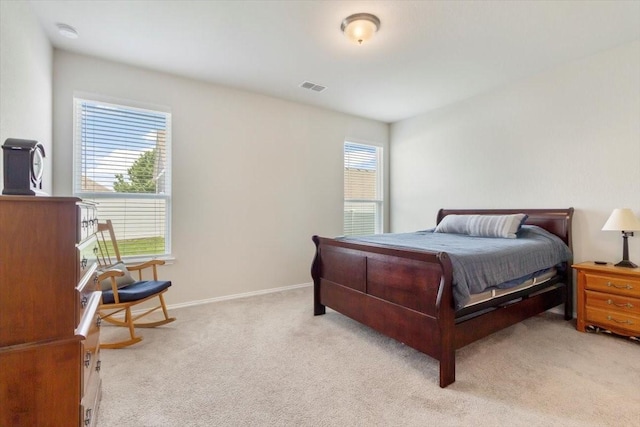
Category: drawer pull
<point>87,359</point>
<point>83,263</point>
<point>625,322</point>
<point>619,286</point>
<point>98,363</point>
<point>84,301</point>
<point>87,417</point>
<point>626,305</point>
<point>99,321</point>
<point>84,223</point>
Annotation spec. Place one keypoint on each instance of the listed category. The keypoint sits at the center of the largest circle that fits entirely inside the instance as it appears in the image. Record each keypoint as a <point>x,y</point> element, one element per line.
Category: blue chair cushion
<point>136,291</point>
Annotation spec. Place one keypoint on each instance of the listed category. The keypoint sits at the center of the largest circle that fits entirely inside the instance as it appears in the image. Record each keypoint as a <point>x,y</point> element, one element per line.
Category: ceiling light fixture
<point>67,31</point>
<point>360,27</point>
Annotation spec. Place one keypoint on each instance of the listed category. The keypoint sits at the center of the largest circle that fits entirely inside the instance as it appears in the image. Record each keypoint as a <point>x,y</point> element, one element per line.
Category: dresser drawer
<point>89,404</point>
<point>88,221</point>
<point>629,286</point>
<point>613,302</point>
<point>84,289</point>
<point>90,354</point>
<point>614,319</point>
<point>89,333</point>
<point>87,254</point>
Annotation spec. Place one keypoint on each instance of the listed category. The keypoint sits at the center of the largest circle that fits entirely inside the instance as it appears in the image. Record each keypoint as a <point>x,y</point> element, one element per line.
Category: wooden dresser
<point>608,297</point>
<point>49,326</point>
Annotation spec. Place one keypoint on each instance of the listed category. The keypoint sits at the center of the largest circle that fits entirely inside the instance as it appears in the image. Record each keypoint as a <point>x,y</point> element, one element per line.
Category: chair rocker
<point>120,292</point>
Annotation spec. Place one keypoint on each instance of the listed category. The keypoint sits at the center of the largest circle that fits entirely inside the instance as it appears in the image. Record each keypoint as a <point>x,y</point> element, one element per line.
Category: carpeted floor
<point>267,361</point>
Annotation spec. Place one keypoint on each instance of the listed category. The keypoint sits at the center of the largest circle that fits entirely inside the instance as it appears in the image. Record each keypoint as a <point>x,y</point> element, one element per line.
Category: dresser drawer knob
<point>98,363</point>
<point>83,263</point>
<point>99,321</point>
<point>87,417</point>
<point>84,301</point>
<point>626,304</point>
<point>624,322</point>
<point>87,359</point>
<point>619,286</point>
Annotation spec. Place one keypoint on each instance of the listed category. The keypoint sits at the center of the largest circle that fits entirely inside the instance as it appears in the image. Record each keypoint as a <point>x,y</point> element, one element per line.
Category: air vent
<point>312,86</point>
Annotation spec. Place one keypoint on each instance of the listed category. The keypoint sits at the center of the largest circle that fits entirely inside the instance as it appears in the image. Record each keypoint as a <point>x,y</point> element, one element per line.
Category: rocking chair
<point>120,292</point>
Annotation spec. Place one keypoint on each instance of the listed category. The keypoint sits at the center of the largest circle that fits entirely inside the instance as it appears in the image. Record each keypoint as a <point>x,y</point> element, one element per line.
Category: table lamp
<point>623,220</point>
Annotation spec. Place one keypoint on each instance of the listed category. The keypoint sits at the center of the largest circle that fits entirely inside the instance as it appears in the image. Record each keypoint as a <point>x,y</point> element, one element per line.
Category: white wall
<point>25,81</point>
<point>567,137</point>
<point>254,177</point>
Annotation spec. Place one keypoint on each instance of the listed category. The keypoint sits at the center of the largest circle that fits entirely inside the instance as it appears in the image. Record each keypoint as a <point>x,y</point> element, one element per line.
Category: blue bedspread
<point>482,262</point>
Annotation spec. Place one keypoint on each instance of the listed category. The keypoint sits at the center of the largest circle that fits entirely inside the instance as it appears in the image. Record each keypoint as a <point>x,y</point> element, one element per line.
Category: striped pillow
<point>482,225</point>
<point>456,224</point>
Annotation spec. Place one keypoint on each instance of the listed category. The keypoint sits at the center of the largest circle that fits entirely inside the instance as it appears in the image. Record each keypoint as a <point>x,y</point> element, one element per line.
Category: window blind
<point>363,199</point>
<point>122,162</point>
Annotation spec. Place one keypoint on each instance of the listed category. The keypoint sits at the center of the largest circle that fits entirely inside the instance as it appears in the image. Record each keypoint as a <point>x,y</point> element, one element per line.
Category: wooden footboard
<point>403,294</point>
<point>407,294</point>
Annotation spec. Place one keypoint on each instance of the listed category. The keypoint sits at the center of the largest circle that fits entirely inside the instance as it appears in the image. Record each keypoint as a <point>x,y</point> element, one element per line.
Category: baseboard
<point>237,296</point>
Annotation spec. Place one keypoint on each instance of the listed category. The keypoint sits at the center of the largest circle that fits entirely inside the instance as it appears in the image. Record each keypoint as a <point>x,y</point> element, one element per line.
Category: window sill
<point>138,259</point>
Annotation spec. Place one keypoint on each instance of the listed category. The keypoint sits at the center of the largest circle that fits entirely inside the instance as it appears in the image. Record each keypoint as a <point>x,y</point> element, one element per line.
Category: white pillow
<point>121,281</point>
<point>505,226</point>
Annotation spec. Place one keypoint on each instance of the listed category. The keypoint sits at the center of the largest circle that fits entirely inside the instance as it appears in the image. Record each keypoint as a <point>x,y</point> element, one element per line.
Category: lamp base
<point>626,263</point>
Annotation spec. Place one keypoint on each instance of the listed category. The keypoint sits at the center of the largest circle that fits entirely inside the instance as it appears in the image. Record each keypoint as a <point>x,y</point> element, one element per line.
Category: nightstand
<point>608,297</point>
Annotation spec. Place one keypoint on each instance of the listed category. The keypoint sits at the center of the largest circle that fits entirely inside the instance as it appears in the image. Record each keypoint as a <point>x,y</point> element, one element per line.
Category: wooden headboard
<point>556,221</point>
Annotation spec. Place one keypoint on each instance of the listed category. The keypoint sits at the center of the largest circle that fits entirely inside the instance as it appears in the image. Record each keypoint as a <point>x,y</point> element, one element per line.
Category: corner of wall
<point>26,81</point>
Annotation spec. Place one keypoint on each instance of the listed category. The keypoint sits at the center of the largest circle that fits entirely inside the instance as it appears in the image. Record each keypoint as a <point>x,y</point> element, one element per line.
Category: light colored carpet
<point>267,361</point>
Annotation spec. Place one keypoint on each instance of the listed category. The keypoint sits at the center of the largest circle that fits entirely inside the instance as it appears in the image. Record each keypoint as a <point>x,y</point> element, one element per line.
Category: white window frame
<point>379,185</point>
<point>97,196</point>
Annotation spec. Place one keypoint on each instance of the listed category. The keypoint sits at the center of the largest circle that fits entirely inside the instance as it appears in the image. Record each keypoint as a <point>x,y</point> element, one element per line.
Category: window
<point>122,161</point>
<point>363,199</point>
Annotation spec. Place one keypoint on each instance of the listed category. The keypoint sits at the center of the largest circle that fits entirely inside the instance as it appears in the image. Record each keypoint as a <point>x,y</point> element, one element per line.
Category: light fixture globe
<point>360,27</point>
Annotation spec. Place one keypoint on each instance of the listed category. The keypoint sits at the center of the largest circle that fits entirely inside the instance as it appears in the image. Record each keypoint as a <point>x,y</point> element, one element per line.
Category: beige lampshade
<point>622,220</point>
<point>360,27</point>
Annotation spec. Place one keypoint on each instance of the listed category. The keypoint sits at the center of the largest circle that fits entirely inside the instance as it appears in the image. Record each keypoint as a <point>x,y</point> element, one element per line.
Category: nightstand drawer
<point>613,284</point>
<point>614,319</point>
<point>613,302</point>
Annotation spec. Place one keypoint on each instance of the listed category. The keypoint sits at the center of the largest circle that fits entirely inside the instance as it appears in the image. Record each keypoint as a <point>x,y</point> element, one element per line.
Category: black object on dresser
<point>23,167</point>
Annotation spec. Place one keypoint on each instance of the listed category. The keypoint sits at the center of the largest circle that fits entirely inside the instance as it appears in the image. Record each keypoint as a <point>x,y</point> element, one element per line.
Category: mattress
<point>495,292</point>
<point>482,263</point>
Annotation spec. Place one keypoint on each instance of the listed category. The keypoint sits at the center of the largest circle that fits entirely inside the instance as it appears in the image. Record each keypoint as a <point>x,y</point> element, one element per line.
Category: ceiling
<point>427,54</point>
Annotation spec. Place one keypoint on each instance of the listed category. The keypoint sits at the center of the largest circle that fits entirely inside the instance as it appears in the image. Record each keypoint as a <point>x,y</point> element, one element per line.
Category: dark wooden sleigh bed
<point>407,294</point>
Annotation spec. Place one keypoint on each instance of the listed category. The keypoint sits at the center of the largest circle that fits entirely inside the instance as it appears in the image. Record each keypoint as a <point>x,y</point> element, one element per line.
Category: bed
<point>408,294</point>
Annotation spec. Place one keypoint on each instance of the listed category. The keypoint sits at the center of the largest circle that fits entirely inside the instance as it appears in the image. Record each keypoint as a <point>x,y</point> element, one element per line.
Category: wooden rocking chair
<point>120,292</point>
